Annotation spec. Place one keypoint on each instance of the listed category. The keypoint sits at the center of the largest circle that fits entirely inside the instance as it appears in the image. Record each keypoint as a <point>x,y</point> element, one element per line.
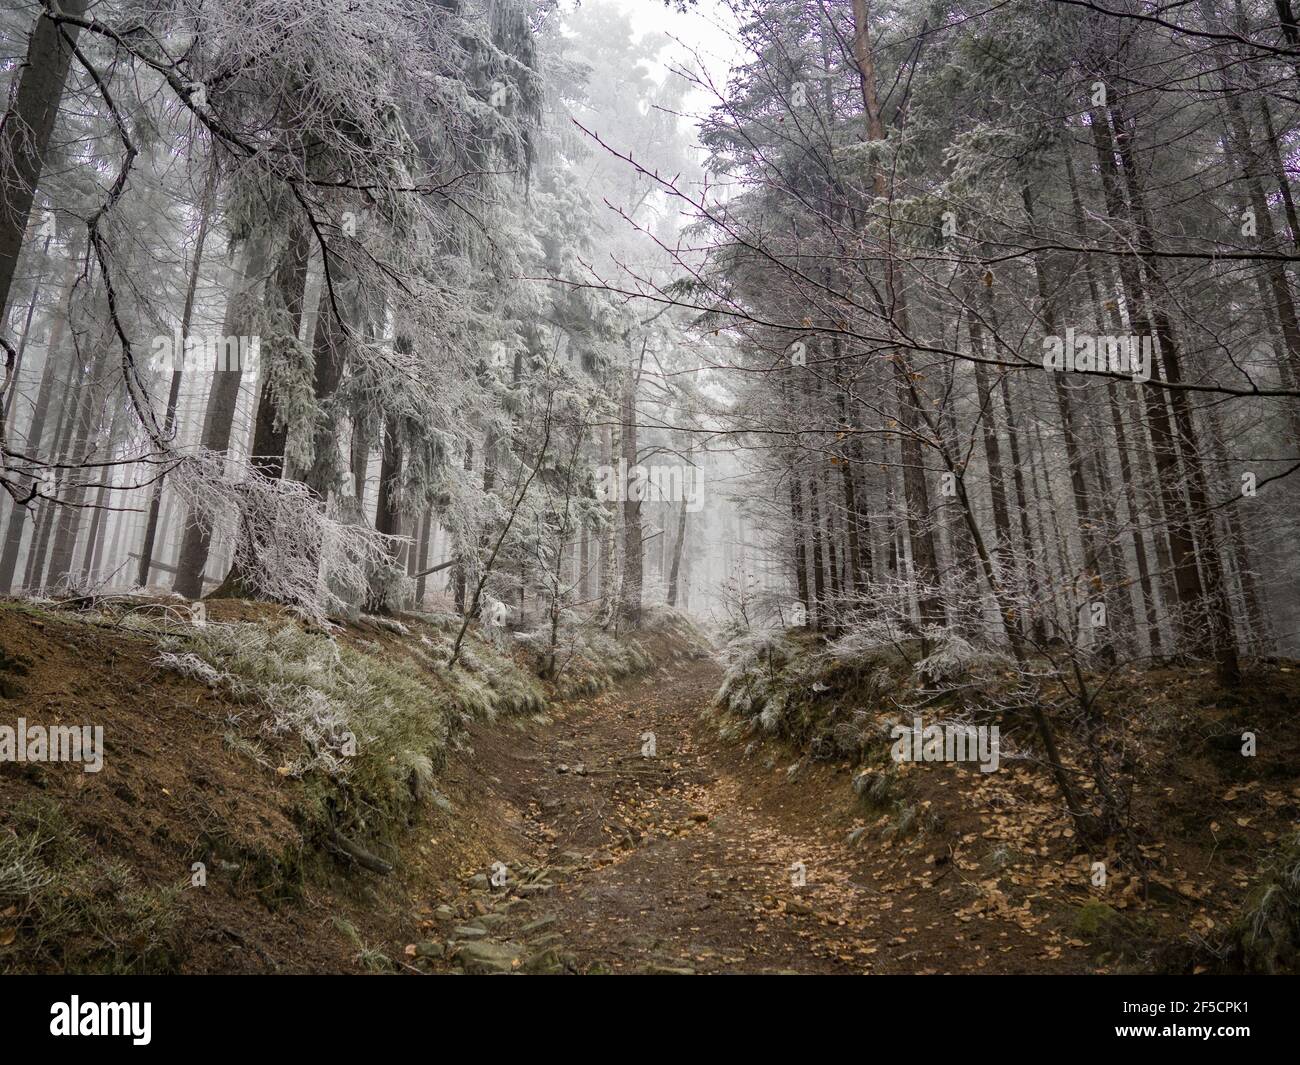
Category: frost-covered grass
<point>363,718</point>
<point>789,686</point>
<point>363,724</point>
<point>827,697</point>
<point>79,912</point>
<point>1266,937</point>
<point>589,657</point>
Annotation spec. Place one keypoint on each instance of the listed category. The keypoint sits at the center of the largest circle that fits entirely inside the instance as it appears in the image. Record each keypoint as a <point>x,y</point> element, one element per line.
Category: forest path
<point>682,862</point>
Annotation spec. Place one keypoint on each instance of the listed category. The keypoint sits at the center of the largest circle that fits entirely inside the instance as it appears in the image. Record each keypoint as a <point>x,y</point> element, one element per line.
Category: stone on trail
<point>551,939</point>
<point>487,957</point>
<point>466,931</point>
<point>538,925</point>
<point>488,921</point>
<point>545,962</point>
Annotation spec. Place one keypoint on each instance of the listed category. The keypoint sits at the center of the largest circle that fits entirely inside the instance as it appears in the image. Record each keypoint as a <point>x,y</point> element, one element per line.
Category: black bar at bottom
<point>302,1014</point>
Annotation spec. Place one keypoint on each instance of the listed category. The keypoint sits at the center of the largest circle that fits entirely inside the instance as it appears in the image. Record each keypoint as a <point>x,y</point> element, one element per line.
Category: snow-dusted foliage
<point>290,548</point>
<point>754,661</point>
<point>953,657</point>
<point>300,679</point>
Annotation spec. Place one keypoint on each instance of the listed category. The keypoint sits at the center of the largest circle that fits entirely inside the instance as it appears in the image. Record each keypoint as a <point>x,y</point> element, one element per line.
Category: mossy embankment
<point>1202,875</point>
<point>265,785</point>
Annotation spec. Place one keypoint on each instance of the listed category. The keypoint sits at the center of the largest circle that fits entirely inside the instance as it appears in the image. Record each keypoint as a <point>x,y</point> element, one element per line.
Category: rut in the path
<point>698,857</point>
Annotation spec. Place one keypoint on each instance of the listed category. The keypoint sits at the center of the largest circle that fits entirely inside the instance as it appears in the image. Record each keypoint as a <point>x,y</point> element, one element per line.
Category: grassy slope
<point>1217,830</point>
<point>278,757</point>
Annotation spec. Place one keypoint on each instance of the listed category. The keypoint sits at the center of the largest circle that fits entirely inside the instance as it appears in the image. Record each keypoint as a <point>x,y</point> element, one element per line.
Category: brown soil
<point>168,783</point>
<point>684,860</point>
<point>615,861</point>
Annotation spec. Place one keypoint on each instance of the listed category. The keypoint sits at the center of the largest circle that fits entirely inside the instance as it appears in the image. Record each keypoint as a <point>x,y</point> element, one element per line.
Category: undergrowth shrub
<point>1266,937</point>
<point>367,727</point>
<point>823,699</point>
<point>71,910</point>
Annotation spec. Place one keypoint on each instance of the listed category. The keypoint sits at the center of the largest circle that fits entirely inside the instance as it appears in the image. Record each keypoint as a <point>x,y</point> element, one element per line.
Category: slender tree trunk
<point>1219,639</point>
<point>800,541</point>
<point>59,444</point>
<point>422,561</point>
<point>1089,529</point>
<point>632,551</point>
<point>818,613</point>
<point>91,550</point>
<point>584,563</point>
<point>26,337</point>
<point>460,573</point>
<point>26,129</point>
<point>915,492</point>
<point>174,394</point>
<point>218,423</point>
<point>36,427</point>
<point>1035,624</point>
<point>992,453</point>
<point>388,513</point>
<point>90,410</point>
<point>677,555</point>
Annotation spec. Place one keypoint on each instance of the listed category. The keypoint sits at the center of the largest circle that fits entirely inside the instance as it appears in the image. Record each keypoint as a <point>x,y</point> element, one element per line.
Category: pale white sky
<point>708,28</point>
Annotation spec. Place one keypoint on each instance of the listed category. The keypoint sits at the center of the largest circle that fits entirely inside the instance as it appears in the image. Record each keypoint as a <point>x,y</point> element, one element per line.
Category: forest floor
<point>686,862</point>
<point>557,841</point>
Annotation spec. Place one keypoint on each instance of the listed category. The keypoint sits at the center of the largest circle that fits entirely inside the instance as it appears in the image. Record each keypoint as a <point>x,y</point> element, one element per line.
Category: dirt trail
<point>686,861</point>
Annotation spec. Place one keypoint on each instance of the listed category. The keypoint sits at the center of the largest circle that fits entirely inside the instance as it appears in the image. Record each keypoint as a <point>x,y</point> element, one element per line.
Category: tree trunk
<point>25,132</point>
<point>630,607</point>
<point>388,512</point>
<point>800,545</point>
<point>26,337</point>
<point>1089,531</point>
<point>584,564</point>
<point>329,356</point>
<point>34,435</point>
<point>422,559</point>
<point>920,529</point>
<point>59,443</point>
<point>174,394</point>
<point>677,555</point>
<point>1187,581</point>
<point>219,420</point>
<point>90,408</point>
<point>1220,639</point>
<point>285,307</point>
